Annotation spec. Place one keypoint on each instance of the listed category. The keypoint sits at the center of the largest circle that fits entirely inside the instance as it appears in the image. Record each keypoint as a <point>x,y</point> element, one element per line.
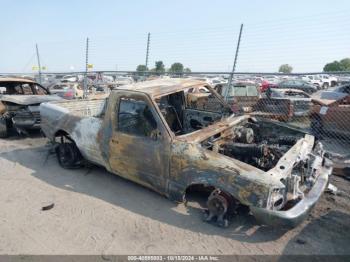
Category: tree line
<point>340,66</point>
<point>159,68</point>
<point>178,68</point>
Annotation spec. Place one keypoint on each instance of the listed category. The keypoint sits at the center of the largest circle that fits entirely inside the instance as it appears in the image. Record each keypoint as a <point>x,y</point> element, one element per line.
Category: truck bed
<point>66,115</point>
<point>83,108</point>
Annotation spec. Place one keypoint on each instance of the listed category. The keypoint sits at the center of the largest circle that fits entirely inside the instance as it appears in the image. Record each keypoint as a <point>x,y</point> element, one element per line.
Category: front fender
<point>245,191</point>
<point>191,164</point>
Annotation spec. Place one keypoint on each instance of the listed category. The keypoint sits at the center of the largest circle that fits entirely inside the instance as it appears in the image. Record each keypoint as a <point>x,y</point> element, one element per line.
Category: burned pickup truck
<point>147,132</point>
<point>19,104</point>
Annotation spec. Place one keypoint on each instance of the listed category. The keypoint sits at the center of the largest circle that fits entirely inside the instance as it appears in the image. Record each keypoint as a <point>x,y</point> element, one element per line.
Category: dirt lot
<point>99,213</point>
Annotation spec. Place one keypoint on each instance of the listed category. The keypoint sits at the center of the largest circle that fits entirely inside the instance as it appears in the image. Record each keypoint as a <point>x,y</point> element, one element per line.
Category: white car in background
<point>123,80</point>
<point>216,81</point>
<point>314,79</point>
<point>72,78</point>
<point>328,80</point>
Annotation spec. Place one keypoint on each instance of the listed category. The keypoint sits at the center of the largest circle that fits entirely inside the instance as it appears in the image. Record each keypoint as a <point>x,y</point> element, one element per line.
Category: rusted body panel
<point>190,165</point>
<point>169,163</point>
<point>280,109</point>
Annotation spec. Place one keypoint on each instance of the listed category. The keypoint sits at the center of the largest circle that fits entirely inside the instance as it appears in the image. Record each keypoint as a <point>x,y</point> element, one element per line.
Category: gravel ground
<point>96,212</point>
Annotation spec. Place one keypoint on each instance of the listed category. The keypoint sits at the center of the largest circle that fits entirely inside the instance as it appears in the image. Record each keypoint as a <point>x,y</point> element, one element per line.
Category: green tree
<point>345,63</point>
<point>342,65</point>
<point>334,66</point>
<point>141,69</point>
<point>159,67</point>
<point>176,68</point>
<point>187,70</point>
<point>285,68</point>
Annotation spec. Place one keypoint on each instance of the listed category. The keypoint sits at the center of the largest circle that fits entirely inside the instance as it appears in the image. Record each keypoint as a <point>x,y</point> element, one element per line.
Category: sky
<point>200,34</point>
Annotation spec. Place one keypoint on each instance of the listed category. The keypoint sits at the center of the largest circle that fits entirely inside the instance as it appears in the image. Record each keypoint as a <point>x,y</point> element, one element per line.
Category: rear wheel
<point>68,155</point>
<point>3,128</point>
<point>325,85</point>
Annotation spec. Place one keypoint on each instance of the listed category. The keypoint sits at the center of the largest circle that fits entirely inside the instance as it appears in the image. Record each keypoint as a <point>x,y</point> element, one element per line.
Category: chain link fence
<point>317,103</point>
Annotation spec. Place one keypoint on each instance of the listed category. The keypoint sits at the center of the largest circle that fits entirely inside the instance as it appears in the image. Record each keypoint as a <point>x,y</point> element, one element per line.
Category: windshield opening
<point>193,109</point>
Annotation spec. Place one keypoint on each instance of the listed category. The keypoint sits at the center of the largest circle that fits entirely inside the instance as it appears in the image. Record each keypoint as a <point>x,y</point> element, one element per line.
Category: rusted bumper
<point>299,212</point>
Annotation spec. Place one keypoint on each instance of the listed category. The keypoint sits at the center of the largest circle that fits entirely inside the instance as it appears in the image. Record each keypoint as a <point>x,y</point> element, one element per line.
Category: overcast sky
<point>200,34</point>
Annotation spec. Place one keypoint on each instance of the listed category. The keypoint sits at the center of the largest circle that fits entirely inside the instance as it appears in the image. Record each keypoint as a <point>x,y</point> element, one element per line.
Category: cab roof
<point>162,87</point>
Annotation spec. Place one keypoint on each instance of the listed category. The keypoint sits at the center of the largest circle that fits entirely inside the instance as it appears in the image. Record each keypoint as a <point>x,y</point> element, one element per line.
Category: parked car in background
<point>342,80</point>
<point>343,89</point>
<point>278,109</point>
<point>297,84</point>
<point>331,115</point>
<point>313,79</point>
<point>72,78</point>
<point>336,94</point>
<point>267,82</point>
<point>19,104</point>
<point>214,81</point>
<point>242,95</point>
<point>300,102</point>
<point>328,81</point>
<point>123,80</point>
<point>201,98</point>
<point>68,90</point>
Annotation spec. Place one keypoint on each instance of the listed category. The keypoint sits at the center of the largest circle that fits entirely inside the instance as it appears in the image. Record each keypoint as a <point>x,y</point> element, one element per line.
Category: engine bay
<point>255,143</point>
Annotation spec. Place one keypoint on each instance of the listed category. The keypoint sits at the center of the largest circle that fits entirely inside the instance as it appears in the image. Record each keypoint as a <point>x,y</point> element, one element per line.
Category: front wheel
<point>68,156</point>
<point>220,208</point>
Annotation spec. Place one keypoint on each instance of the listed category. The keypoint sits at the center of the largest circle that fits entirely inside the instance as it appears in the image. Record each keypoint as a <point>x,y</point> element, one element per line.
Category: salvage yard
<point>96,212</point>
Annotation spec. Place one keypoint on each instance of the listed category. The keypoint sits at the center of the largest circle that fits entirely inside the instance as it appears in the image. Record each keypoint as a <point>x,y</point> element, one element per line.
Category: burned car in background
<point>296,84</point>
<point>148,133</point>
<point>19,104</point>
<point>283,104</point>
<point>300,101</point>
<point>242,95</point>
<point>331,113</point>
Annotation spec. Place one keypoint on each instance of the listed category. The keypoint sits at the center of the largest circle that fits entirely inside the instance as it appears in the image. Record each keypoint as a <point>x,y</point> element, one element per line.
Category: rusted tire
<point>221,207</point>
<point>3,128</point>
<point>68,156</point>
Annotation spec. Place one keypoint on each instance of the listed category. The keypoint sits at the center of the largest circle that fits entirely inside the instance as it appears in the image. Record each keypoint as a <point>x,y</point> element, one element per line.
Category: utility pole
<point>234,63</point>
<point>39,65</point>
<point>147,50</point>
<point>86,68</point>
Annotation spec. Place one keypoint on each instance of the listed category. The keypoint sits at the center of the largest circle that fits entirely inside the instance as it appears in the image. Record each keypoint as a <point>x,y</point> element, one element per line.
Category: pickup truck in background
<point>328,81</point>
<point>148,133</point>
<point>315,80</point>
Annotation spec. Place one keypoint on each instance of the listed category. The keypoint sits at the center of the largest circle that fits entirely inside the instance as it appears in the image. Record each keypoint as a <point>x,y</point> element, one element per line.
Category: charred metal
<point>19,104</point>
<point>152,134</point>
